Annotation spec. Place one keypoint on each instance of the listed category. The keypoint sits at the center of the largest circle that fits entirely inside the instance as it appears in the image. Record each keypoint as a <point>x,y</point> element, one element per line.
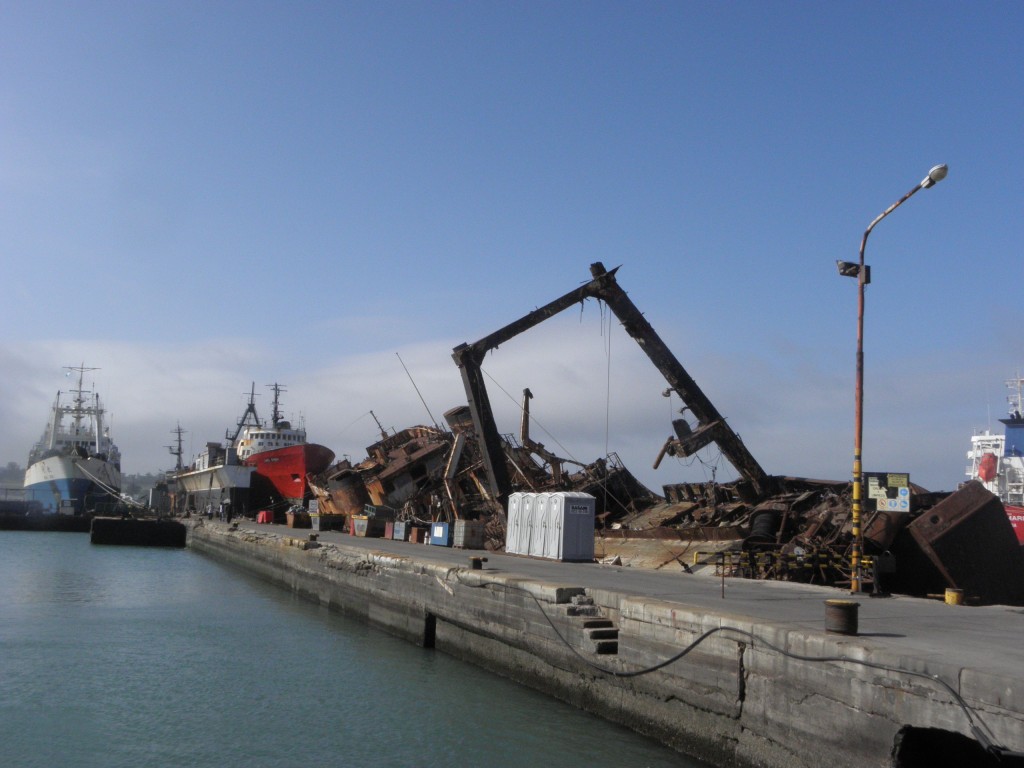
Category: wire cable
<point>108,489</point>
<point>981,732</point>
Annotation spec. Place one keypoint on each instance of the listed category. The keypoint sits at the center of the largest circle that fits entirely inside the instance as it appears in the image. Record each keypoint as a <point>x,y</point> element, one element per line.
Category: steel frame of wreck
<point>712,427</point>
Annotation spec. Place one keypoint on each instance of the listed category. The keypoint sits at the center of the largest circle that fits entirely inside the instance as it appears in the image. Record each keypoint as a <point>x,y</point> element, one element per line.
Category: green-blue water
<point>120,656</point>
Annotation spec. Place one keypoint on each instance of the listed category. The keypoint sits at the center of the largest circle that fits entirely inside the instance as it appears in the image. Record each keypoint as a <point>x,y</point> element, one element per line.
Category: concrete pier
<point>741,676</point>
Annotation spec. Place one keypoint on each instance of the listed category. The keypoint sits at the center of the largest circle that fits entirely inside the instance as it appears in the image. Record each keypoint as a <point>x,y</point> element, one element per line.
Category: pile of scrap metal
<point>802,531</point>
<point>426,474</point>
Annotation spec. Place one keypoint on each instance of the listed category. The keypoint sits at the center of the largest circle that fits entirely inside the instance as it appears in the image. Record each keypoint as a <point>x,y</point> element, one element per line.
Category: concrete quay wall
<point>748,695</point>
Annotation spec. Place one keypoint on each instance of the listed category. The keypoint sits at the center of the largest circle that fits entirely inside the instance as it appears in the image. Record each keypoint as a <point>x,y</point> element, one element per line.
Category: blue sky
<point>197,196</point>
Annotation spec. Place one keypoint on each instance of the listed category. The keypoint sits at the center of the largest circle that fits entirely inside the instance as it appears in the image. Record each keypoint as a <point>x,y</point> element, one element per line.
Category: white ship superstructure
<point>997,461</point>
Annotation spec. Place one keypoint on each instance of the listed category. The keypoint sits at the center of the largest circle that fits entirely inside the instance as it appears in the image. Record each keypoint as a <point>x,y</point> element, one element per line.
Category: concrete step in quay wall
<point>588,630</point>
<point>725,688</point>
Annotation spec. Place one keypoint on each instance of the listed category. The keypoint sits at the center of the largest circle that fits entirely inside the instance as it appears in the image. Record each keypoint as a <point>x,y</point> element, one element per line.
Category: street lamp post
<point>863,274</point>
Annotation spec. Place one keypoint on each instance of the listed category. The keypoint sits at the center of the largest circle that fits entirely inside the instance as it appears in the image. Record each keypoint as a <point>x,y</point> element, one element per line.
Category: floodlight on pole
<point>935,175</point>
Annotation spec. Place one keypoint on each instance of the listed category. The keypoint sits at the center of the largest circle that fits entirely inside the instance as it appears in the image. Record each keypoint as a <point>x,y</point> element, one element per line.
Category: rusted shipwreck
<point>777,527</point>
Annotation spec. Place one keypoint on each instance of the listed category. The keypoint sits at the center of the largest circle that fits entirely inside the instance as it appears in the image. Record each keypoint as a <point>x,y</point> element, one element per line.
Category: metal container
<point>328,522</point>
<point>379,511</point>
<point>401,531</point>
<point>469,534</point>
<point>367,527</point>
<point>440,535</point>
<point>298,520</point>
<point>389,530</point>
<point>969,539</point>
<point>417,535</point>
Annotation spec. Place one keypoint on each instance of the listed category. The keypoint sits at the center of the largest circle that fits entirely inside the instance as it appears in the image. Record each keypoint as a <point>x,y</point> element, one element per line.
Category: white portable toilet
<point>553,527</point>
<point>526,526</point>
<point>514,523</point>
<point>539,525</point>
<point>557,526</point>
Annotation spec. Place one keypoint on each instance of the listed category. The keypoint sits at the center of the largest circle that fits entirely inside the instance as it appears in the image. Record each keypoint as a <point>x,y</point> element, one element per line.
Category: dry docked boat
<point>278,453</point>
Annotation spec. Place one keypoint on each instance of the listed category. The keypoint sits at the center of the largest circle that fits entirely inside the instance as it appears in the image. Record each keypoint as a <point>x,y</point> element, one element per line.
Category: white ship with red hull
<point>279,454</point>
<point>997,461</point>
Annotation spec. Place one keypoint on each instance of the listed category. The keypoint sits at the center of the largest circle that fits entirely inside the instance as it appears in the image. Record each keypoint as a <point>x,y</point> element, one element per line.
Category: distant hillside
<point>12,474</point>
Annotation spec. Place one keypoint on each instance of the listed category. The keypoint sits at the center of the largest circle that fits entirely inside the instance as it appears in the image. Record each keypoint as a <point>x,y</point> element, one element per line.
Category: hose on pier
<point>981,732</point>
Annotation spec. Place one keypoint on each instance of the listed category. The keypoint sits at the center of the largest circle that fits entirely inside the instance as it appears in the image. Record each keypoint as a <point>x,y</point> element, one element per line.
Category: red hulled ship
<point>279,454</point>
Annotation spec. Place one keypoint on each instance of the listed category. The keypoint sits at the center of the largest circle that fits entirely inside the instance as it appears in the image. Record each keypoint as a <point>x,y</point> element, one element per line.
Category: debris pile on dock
<point>785,528</point>
<point>426,474</point>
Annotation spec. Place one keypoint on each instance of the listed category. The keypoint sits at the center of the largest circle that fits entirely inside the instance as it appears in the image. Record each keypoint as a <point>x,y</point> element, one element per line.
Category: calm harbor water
<point>120,656</point>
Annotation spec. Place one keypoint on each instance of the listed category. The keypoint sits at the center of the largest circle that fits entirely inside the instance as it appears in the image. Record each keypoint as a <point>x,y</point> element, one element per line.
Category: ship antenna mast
<point>1016,398</point>
<point>78,410</point>
<point>79,393</point>
<point>383,434</point>
<point>176,449</point>
<point>275,416</point>
<point>244,421</point>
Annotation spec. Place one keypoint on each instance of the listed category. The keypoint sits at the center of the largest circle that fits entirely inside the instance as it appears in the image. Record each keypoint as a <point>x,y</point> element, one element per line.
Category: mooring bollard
<point>476,563</point>
<point>841,617</point>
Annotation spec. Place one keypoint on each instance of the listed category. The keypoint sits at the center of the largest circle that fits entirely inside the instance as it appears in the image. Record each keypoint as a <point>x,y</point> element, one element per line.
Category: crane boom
<point>604,287</point>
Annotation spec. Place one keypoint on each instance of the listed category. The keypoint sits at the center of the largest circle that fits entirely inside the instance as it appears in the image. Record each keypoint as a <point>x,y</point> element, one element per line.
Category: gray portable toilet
<point>569,526</point>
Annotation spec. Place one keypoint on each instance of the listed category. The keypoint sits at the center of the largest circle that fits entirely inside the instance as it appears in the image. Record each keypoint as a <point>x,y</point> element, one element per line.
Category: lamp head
<point>935,175</point>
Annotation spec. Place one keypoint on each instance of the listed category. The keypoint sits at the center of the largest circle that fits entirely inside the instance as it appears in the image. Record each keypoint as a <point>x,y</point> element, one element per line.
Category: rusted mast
<point>603,286</point>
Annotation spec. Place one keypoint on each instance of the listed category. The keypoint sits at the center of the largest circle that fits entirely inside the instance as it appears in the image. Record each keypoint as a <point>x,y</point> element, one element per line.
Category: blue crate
<point>440,534</point>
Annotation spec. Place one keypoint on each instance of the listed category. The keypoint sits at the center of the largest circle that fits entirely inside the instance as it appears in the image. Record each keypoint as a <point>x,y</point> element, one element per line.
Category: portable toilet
<point>529,504</point>
<point>513,523</point>
<point>569,526</point>
<point>538,546</point>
